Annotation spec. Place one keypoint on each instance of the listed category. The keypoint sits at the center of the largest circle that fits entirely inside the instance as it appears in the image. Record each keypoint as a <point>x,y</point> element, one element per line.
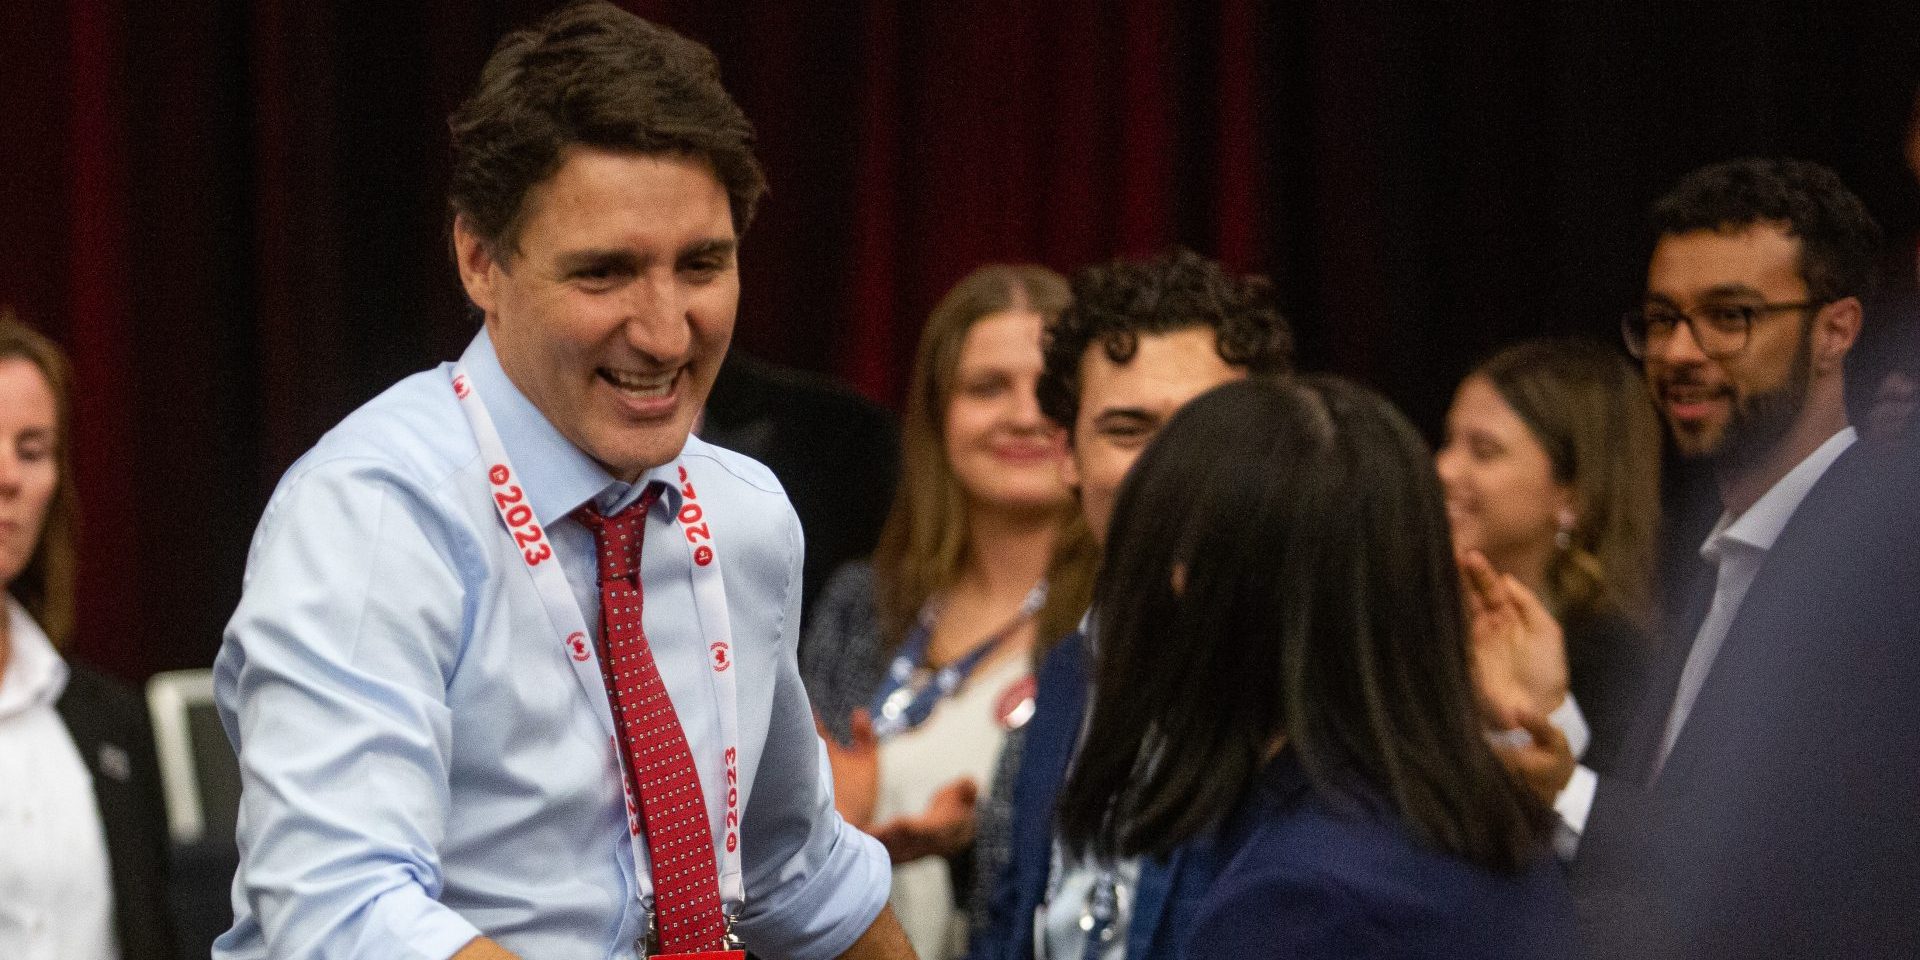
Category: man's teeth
<point>654,386</point>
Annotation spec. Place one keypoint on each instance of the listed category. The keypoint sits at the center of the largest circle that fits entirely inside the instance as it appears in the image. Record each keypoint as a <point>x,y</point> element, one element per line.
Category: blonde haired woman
<point>920,662</point>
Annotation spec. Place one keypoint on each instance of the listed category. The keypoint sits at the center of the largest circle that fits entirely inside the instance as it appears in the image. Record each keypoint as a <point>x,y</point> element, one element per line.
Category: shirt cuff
<point>428,928</point>
<point>1572,724</point>
<point>1575,800</point>
<point>826,907</point>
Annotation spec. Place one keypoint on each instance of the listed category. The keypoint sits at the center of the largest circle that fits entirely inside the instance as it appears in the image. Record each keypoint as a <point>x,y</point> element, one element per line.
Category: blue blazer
<point>1169,892</point>
<point>1784,823</point>
<point>1308,881</point>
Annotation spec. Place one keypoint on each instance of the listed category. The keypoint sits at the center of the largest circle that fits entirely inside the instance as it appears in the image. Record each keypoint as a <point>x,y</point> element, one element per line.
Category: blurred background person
<point>1140,338</point>
<point>1282,658</point>
<point>1883,368</point>
<point>920,662</point>
<point>837,455</point>
<point>1551,468</point>
<point>83,837</point>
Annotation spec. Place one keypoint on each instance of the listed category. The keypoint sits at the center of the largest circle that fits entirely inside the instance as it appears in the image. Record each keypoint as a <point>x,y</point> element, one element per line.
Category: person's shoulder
<point>1376,862</point>
<point>405,453</point>
<point>102,696</point>
<point>411,435</point>
<point>738,473</point>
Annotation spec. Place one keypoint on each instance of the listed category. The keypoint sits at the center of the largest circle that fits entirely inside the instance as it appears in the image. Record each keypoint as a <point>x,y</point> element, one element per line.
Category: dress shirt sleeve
<point>1575,799</point>
<point>1574,802</point>
<point>332,685</point>
<point>1573,725</point>
<point>814,883</point>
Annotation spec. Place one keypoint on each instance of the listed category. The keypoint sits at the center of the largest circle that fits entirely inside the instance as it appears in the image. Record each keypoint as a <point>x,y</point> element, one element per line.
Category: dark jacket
<point>1607,660</point>
<point>1169,891</point>
<point>109,725</point>
<point>1307,882</point>
<point>1785,822</point>
<point>836,454</point>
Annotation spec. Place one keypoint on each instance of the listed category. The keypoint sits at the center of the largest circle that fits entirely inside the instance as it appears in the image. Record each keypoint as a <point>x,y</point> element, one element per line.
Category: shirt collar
<point>1760,525</point>
<point>35,675</point>
<point>557,475</point>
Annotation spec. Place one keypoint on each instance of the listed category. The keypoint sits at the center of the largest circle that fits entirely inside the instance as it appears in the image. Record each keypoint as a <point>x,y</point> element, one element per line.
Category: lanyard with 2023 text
<point>710,610</point>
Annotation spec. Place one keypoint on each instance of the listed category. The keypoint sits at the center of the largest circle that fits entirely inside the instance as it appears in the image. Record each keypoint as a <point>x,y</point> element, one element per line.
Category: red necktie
<point>686,891</point>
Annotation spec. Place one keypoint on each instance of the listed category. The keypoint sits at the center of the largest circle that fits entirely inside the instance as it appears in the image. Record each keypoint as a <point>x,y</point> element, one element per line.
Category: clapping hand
<point>944,829</point>
<point>1519,652</point>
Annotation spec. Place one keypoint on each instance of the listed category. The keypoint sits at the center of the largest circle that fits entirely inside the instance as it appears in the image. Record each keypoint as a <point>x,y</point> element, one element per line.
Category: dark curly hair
<point>1114,303</point>
<point>591,75</point>
<point>1839,241</point>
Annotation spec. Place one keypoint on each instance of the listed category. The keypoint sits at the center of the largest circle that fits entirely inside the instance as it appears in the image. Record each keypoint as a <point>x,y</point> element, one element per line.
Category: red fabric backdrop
<point>232,213</point>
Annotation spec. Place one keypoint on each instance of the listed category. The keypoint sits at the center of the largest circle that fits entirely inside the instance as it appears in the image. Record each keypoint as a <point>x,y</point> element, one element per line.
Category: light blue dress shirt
<point>420,765</point>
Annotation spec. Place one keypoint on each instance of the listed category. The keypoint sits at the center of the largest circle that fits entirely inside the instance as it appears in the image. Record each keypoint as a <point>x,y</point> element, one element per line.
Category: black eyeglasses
<point>1720,329</point>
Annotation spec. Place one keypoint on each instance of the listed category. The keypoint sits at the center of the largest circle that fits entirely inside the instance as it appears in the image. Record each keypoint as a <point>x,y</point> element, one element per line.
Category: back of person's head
<point>46,587</point>
<point>1590,409</point>
<point>1113,304</point>
<point>1280,574</point>
<point>592,75</point>
<point>924,539</point>
<point>1839,240</point>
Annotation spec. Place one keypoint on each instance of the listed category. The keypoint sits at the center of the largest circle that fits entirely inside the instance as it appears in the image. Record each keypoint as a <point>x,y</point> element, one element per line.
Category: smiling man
<point>1140,340</point>
<point>513,672</point>
<point>1764,807</point>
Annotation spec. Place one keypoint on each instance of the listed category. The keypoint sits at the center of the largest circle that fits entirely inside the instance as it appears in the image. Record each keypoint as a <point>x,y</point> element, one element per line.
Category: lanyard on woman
<point>899,705</point>
<point>570,625</point>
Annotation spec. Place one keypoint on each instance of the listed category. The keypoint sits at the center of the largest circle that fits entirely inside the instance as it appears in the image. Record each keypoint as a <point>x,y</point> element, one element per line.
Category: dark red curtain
<point>232,213</point>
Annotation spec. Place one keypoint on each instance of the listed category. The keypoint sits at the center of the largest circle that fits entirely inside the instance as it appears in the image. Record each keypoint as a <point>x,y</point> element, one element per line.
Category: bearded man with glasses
<point>1765,805</point>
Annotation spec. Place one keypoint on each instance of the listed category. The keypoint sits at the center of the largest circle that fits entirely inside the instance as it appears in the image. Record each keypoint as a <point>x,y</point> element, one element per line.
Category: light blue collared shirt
<point>420,764</point>
<point>1737,546</point>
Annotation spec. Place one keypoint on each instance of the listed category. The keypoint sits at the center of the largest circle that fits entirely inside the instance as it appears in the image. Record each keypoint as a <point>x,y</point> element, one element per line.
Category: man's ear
<point>1835,328</point>
<point>474,257</point>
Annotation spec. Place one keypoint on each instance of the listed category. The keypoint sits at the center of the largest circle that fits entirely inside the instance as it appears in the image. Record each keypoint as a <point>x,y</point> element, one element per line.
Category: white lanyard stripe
<point>710,611</point>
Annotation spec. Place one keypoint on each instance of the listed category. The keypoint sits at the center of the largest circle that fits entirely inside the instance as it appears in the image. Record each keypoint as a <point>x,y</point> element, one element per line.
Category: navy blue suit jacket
<point>1169,891</point>
<point>1307,881</point>
<point>1785,821</point>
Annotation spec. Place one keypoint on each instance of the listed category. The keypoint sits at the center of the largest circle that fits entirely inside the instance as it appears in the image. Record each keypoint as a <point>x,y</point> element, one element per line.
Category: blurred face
<point>1502,499</point>
<point>1123,405</point>
<point>615,313</point>
<point>28,441</point>
<point>1740,407</point>
<point>1894,402</point>
<point>1002,450</point>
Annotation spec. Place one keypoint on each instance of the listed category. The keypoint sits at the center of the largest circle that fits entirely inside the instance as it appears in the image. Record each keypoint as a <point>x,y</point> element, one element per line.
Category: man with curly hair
<point>1140,339</point>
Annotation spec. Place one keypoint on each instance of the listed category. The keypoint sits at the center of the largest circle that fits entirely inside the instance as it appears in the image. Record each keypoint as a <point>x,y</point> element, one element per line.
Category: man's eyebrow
<point>718,246</point>
<point>1727,291</point>
<point>575,260</point>
<point>1722,291</point>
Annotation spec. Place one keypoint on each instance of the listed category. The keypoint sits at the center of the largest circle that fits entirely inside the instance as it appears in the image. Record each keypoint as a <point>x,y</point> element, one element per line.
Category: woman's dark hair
<point>594,75</point>
<point>1280,576</point>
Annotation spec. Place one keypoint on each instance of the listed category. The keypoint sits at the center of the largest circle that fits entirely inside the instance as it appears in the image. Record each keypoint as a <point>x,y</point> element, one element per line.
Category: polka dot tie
<point>686,889</point>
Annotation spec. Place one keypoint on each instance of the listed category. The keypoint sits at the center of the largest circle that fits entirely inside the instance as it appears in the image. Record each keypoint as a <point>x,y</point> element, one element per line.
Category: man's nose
<point>656,323</point>
<point>1680,347</point>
